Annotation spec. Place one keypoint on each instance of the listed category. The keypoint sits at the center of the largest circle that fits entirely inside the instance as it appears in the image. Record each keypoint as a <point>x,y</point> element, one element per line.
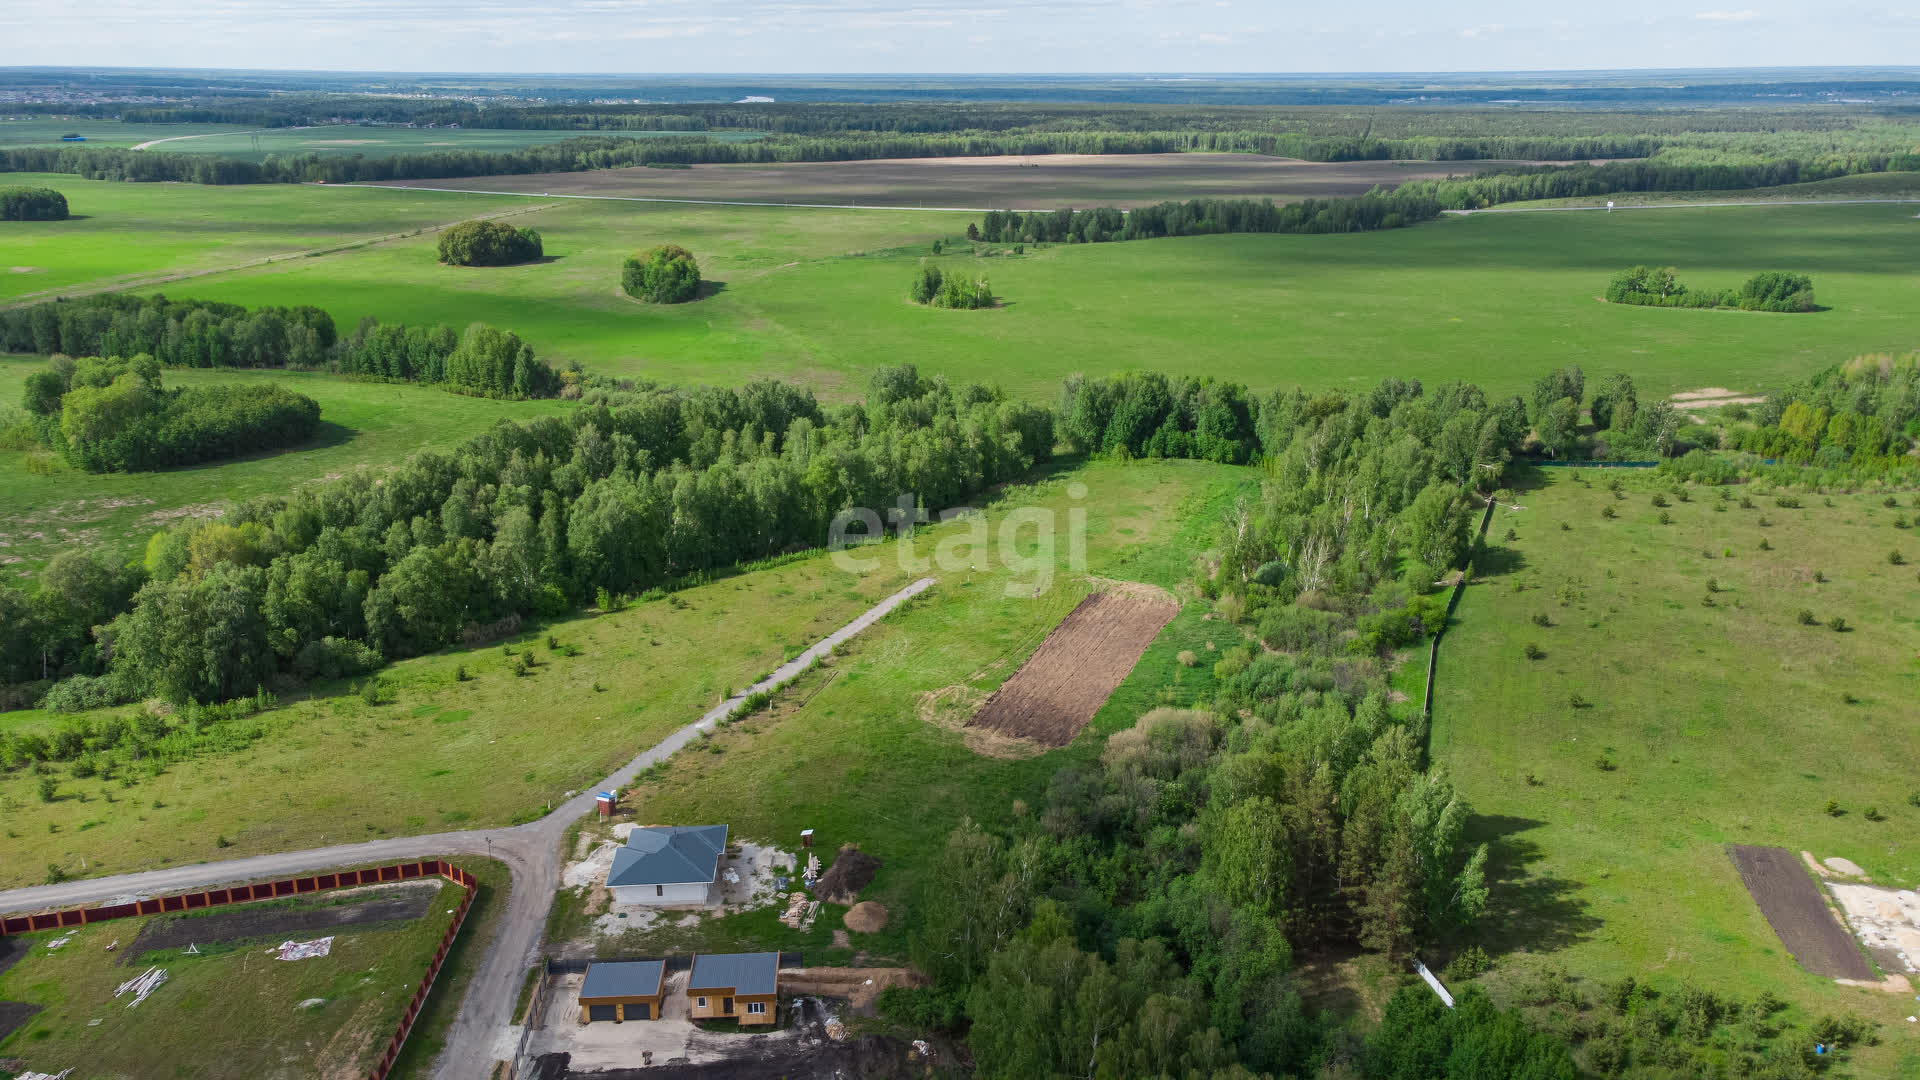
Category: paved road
<point>531,851</point>
<point>1681,205</point>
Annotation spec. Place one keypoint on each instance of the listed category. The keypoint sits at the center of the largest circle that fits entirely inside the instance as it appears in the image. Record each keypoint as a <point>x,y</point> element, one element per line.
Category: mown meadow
<point>1679,703</point>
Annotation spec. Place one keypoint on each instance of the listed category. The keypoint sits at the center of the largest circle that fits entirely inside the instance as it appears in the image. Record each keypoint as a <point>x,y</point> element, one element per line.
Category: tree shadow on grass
<point>709,288</point>
<point>1496,561</point>
<point>1526,907</point>
<point>326,434</point>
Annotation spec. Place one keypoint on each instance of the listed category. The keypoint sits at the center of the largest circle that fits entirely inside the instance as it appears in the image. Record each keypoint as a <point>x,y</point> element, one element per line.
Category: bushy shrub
<point>32,204</point>
<point>79,693</point>
<point>116,417</point>
<point>488,243</point>
<point>667,274</point>
<point>334,658</point>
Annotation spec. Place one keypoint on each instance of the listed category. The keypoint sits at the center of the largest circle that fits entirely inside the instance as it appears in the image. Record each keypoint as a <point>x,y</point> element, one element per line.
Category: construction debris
<point>796,906</point>
<point>59,941</point>
<point>304,950</point>
<point>30,1075</point>
<point>812,873</point>
<point>812,912</point>
<point>142,985</point>
<point>923,1049</point>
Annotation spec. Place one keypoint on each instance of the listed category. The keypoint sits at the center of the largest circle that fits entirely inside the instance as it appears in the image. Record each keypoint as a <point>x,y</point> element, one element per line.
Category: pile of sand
<point>866,917</point>
<point>852,870</point>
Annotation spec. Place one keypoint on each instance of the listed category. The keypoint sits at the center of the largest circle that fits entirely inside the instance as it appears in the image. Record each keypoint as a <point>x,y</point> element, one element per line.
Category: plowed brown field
<point>1070,675</point>
<point>1797,911</point>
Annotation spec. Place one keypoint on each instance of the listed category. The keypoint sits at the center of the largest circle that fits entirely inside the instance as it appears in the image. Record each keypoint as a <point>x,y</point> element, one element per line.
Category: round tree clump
<point>662,275</point>
<point>488,243</point>
<point>32,204</point>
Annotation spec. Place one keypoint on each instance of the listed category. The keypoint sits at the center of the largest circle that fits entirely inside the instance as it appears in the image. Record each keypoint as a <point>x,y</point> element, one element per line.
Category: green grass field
<point>253,144</point>
<point>43,132</point>
<point>230,1011</point>
<point>361,424</point>
<point>818,295</point>
<point>852,752</point>
<point>441,753</point>
<point>1723,724</point>
<point>124,235</point>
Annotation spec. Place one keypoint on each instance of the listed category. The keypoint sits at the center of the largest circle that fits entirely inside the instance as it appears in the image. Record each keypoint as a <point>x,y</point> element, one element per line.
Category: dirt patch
<point>1039,181</point>
<point>24,269</point>
<point>858,986</point>
<point>1848,867</point>
<point>866,917</point>
<point>401,903</point>
<point>950,707</point>
<point>199,512</point>
<point>1797,912</point>
<point>13,1015</point>
<point>12,951</point>
<point>1887,921</point>
<point>852,870</point>
<point>1712,397</point>
<point>1066,680</point>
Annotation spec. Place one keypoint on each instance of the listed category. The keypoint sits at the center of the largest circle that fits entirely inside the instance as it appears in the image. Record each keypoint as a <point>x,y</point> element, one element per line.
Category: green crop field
<point>47,505</point>
<point>1723,718</point>
<point>335,1012</point>
<point>129,234</point>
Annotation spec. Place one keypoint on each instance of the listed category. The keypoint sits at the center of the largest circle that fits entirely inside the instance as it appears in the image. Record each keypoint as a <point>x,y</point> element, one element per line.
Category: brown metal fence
<point>241,894</point>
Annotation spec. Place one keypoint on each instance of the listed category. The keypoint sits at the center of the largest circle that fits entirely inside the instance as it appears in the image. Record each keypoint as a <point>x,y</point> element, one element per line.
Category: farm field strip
<point>1066,680</point>
<point>1678,205</point>
<point>1798,913</point>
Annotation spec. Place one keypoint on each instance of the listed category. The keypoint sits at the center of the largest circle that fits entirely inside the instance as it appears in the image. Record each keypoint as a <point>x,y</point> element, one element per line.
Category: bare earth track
<point>1070,675</point>
<point>1797,912</point>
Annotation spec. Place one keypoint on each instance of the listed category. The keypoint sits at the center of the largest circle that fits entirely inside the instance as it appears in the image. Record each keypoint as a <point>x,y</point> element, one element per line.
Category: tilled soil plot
<point>13,1014</point>
<point>1797,912</point>
<point>1070,675</point>
<point>399,905</point>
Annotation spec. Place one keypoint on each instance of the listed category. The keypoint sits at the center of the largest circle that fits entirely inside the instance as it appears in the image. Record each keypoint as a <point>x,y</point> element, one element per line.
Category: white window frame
<point>700,1003</point>
<point>756,1008</point>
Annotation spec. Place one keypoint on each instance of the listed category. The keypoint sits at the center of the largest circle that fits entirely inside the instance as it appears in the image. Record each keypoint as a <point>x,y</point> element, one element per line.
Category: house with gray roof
<point>622,990</point>
<point>734,986</point>
<point>668,865</point>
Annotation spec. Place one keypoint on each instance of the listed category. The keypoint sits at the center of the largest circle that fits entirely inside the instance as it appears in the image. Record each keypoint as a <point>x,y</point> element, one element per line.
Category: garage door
<point>601,1012</point>
<point>638,1010</point>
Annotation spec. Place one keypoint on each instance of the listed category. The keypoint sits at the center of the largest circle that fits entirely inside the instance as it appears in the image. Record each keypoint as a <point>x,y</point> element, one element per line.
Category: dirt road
<point>531,852</point>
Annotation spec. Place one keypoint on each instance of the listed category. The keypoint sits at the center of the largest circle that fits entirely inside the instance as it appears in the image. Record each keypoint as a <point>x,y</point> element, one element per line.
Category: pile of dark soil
<point>852,870</point>
<point>13,1014</point>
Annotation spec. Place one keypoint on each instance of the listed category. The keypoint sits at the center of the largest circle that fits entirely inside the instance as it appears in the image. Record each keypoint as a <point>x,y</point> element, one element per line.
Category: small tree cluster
<point>488,243</point>
<point>666,274</point>
<point>935,288</point>
<point>32,204</point>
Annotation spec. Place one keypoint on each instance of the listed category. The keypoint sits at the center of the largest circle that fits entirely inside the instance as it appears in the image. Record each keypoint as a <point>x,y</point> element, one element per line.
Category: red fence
<point>241,894</point>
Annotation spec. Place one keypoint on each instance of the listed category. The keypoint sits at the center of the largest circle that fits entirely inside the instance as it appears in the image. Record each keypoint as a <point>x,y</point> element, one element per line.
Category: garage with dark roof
<point>622,990</point>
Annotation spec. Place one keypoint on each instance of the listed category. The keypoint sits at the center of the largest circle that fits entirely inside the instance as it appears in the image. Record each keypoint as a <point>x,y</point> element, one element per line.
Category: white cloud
<point>1728,16</point>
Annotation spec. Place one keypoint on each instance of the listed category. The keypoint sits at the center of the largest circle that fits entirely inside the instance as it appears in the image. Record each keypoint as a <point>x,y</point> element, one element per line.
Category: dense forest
<point>32,204</point>
<point>626,494</point>
<point>207,334</point>
<point>115,416</point>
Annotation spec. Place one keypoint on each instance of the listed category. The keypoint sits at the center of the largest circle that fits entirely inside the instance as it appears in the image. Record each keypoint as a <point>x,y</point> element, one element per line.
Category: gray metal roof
<point>669,855</point>
<point>636,978</point>
<point>749,974</point>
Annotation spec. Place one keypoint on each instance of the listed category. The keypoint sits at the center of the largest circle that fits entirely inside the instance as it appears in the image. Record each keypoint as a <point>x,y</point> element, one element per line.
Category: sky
<point>988,36</point>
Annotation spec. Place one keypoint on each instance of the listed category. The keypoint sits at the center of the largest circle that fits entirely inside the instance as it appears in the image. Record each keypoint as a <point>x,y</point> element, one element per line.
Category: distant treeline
<point>1199,217</point>
<point>1863,415</point>
<point>207,334</point>
<point>114,416</point>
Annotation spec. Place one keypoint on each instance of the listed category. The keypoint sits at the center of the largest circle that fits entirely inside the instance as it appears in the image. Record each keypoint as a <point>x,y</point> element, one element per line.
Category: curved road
<point>531,851</point>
